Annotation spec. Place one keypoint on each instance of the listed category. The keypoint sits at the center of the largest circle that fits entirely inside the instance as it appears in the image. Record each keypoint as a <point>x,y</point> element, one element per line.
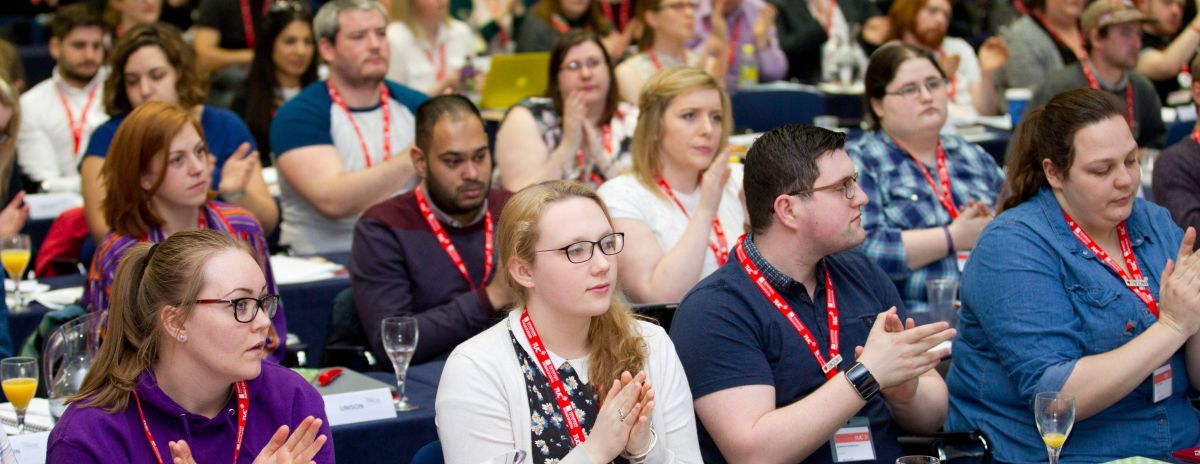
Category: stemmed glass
<point>14,254</point>
<point>400,341</point>
<point>19,379</point>
<point>1054,413</point>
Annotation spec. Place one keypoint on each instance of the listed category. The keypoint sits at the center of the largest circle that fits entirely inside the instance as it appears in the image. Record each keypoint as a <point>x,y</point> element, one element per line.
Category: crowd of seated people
<point>523,239</point>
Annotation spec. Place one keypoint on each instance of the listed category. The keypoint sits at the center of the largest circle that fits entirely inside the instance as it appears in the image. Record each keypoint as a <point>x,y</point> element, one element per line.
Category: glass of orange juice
<point>19,379</point>
<point>14,254</point>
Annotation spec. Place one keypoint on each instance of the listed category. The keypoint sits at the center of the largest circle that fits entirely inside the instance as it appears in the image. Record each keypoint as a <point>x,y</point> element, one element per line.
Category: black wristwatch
<point>862,380</point>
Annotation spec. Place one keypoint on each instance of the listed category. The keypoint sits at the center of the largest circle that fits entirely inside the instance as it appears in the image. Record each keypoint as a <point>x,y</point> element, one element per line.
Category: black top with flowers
<point>550,440</point>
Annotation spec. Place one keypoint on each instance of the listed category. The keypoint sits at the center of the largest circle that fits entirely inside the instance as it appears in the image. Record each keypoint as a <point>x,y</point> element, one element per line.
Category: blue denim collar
<point>1136,223</point>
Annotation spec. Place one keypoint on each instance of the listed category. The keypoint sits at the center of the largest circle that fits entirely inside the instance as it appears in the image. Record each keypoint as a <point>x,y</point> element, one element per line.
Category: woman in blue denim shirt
<point>914,232</point>
<point>1041,312</point>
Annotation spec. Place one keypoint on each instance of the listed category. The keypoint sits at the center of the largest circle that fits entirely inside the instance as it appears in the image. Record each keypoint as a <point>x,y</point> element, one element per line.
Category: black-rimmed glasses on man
<point>848,186</point>
<point>244,309</point>
<point>581,251</point>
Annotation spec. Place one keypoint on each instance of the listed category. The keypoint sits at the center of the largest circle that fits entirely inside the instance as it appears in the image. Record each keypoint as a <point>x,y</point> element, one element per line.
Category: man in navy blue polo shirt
<point>755,336</point>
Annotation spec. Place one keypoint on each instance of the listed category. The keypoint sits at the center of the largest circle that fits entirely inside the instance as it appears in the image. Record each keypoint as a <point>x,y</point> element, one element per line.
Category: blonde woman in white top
<point>535,381</point>
<point>679,208</point>
<point>428,47</point>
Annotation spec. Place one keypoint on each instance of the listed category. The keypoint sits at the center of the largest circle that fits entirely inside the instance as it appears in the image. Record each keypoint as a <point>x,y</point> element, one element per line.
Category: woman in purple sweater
<point>180,371</point>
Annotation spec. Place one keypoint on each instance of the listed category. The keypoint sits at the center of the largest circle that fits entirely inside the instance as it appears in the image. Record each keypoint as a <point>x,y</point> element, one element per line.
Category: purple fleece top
<point>277,397</point>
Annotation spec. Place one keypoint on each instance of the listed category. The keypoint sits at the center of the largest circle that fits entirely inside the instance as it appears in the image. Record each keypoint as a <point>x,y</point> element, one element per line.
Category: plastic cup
<point>940,294</point>
<point>1017,99</point>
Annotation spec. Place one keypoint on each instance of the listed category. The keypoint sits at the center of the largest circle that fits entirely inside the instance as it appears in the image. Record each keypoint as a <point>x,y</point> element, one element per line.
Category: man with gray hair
<point>342,145</point>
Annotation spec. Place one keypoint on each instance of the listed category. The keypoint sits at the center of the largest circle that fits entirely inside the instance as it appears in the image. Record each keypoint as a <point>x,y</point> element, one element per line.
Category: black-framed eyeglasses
<point>848,186</point>
<point>932,85</point>
<point>581,251</point>
<point>244,309</point>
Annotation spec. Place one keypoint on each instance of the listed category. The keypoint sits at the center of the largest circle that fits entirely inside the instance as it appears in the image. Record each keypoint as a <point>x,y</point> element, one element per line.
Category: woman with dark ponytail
<point>181,372</point>
<point>570,375</point>
<point>1079,287</point>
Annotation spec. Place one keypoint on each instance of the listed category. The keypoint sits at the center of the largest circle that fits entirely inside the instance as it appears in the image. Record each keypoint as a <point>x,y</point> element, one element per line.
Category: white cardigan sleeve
<point>673,419</point>
<point>473,419</point>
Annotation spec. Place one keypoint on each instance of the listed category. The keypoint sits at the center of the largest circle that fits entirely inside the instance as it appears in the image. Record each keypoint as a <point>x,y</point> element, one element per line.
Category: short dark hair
<point>782,161</point>
<point>190,87</point>
<point>69,17</point>
<point>558,56</point>
<point>432,111</point>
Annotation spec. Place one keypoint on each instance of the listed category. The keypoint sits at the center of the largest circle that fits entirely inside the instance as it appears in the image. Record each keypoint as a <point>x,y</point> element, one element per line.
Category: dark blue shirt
<point>224,131</point>
<point>729,335</point>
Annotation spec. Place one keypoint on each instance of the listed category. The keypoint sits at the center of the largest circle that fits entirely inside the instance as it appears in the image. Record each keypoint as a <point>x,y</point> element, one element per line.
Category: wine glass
<point>400,341</point>
<point>19,379</point>
<point>1054,413</point>
<point>14,254</point>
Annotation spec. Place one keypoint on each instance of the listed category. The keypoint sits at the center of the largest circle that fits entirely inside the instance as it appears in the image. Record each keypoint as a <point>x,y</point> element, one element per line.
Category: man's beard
<point>445,201</point>
<point>69,73</point>
<point>931,39</point>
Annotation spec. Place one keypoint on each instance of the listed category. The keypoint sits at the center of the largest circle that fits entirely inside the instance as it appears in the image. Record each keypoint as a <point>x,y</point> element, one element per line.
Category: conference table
<point>394,440</point>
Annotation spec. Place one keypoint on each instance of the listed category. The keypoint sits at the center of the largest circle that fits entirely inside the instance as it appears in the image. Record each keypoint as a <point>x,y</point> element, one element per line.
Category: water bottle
<point>747,72</point>
<point>466,77</point>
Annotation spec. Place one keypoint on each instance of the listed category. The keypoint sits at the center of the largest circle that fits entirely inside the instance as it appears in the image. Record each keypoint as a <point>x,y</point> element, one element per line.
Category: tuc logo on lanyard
<point>444,240</point>
<point>556,384</point>
<point>944,196</point>
<point>1134,279</point>
<point>829,368</point>
<point>720,247</point>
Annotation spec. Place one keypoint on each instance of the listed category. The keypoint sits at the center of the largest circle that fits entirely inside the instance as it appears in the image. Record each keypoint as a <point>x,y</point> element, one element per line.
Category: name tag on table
<point>359,406</point>
<point>1162,383</point>
<point>30,448</point>
<point>852,442</point>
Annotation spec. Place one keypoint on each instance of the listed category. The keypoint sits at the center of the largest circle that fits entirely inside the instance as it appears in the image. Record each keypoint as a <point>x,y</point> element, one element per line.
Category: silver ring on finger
<point>620,415</point>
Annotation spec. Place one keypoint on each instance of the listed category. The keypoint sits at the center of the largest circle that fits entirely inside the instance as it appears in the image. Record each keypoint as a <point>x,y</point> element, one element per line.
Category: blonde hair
<point>656,96</point>
<point>145,285</point>
<point>613,336</point>
<point>8,149</point>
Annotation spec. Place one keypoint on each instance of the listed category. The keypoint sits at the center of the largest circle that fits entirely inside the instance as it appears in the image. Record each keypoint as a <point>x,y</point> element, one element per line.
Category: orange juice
<point>19,391</point>
<point>15,262</point>
<point>1053,440</point>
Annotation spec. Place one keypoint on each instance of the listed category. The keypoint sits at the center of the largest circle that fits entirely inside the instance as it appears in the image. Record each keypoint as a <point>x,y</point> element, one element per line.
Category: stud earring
<point>182,337</point>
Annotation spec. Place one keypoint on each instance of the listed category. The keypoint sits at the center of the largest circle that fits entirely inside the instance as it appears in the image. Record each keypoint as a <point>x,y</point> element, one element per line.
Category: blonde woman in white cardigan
<point>570,375</point>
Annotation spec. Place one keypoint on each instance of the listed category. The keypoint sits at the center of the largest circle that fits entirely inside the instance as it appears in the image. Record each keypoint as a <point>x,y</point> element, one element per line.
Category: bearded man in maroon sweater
<point>430,253</point>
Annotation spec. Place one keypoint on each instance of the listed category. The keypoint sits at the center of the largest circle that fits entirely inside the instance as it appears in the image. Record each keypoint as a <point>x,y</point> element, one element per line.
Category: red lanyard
<point>735,34</point>
<point>559,24</point>
<point>654,60</point>
<point>248,21</point>
<point>384,100</point>
<point>448,247</point>
<point>1195,136</point>
<point>77,129</point>
<point>1137,283</point>
<point>943,195</point>
<point>583,174</point>
<point>1095,84</point>
<point>494,8</point>
<point>624,19</point>
<point>719,248</point>
<point>243,402</point>
<point>1058,38</point>
<point>439,66</point>
<point>828,367</point>
<point>556,384</point>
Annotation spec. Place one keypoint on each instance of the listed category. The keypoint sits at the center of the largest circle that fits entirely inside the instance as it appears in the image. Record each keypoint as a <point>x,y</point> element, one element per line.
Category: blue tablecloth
<point>394,440</point>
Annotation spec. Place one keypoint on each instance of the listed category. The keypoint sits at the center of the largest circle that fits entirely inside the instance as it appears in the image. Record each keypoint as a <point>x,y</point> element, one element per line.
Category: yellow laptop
<point>511,78</point>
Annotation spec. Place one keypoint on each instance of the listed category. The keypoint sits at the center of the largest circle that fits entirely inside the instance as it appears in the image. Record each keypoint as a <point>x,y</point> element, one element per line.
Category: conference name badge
<point>852,442</point>
<point>1162,382</point>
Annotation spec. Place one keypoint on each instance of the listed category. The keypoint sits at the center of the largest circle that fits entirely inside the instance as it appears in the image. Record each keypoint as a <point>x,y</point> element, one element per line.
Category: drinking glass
<point>14,254</point>
<point>511,457</point>
<point>400,341</point>
<point>940,295</point>
<point>917,460</point>
<point>1054,413</point>
<point>19,379</point>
